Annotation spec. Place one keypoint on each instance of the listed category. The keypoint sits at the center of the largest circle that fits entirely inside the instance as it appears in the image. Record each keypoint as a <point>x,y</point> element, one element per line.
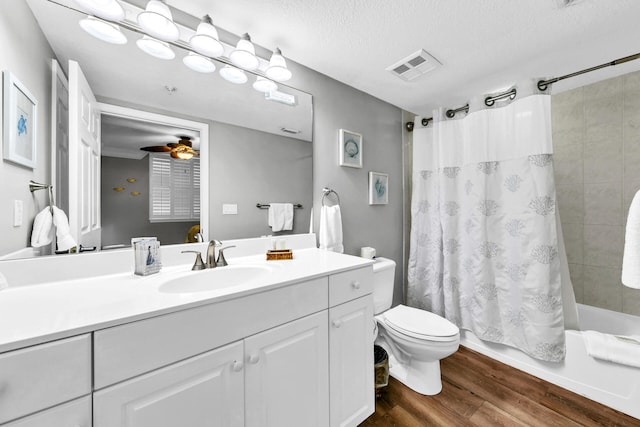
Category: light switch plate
<point>17,213</point>
<point>229,209</point>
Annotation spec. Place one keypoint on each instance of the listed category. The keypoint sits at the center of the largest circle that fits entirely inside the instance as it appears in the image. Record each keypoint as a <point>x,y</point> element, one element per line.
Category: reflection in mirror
<point>260,147</point>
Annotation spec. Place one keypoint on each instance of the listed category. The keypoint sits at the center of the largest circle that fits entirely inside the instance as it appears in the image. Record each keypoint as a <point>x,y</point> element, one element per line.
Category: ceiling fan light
<point>244,55</point>
<point>105,9</point>
<point>233,75</point>
<point>199,63</point>
<point>277,69</point>
<point>155,48</point>
<point>264,85</point>
<point>206,41</point>
<point>157,21</point>
<point>103,30</point>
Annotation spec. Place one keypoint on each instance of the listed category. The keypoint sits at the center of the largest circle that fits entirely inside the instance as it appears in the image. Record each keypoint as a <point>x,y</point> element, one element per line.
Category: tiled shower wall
<point>596,138</point>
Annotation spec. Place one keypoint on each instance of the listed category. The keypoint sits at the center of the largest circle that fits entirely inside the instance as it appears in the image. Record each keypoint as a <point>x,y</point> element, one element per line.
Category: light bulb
<point>105,9</point>
<point>199,63</point>
<point>277,69</point>
<point>205,41</point>
<point>233,74</point>
<point>156,48</point>
<point>264,85</point>
<point>156,20</point>
<point>244,55</point>
<point>103,30</point>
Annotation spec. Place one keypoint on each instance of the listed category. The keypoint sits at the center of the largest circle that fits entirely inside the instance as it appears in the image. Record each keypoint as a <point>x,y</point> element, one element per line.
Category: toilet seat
<point>420,324</point>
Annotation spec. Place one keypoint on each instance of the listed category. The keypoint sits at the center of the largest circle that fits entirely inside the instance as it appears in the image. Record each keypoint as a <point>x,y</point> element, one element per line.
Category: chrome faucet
<point>211,253</point>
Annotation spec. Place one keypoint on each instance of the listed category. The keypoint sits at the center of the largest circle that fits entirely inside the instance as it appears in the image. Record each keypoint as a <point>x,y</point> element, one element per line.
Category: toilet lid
<point>419,323</point>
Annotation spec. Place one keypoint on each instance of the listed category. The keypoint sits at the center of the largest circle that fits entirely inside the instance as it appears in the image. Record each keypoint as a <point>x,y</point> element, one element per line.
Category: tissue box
<point>146,252</point>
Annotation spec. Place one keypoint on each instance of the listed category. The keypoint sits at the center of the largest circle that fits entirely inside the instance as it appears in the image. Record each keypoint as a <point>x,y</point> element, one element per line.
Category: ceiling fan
<point>183,149</point>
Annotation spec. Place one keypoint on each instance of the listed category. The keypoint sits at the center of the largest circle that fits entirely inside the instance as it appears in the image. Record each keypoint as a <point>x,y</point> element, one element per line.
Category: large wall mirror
<point>257,150</point>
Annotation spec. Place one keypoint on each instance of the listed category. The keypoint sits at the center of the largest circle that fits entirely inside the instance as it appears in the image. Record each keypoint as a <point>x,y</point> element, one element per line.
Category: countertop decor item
<point>279,254</point>
<point>19,122</point>
<point>350,149</point>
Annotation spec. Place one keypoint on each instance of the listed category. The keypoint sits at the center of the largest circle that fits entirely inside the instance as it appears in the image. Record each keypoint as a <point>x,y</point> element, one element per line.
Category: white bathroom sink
<point>215,278</point>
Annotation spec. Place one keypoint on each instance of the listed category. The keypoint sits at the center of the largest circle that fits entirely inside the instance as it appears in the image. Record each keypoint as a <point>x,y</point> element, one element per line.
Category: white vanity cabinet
<point>352,391</point>
<point>287,375</point>
<point>40,377</point>
<point>76,413</point>
<point>205,390</point>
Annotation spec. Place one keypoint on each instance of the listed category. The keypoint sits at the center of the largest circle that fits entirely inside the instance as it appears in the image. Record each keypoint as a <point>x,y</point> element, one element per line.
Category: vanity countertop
<point>38,313</point>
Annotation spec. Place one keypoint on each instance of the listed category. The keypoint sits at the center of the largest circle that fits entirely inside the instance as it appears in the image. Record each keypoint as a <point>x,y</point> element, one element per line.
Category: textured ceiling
<point>484,46</point>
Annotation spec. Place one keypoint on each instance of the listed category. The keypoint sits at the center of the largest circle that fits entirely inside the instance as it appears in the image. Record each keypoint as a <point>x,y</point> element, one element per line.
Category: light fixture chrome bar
<point>452,113</point>
<point>544,84</point>
<point>178,43</point>
<point>491,100</point>
<point>425,121</point>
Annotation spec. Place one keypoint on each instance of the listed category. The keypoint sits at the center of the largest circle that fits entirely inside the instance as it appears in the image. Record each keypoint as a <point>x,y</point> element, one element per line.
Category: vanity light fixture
<point>264,85</point>
<point>233,75</point>
<point>111,10</point>
<point>244,55</point>
<point>206,41</point>
<point>199,63</point>
<point>103,30</point>
<point>277,69</point>
<point>157,21</point>
<point>156,48</point>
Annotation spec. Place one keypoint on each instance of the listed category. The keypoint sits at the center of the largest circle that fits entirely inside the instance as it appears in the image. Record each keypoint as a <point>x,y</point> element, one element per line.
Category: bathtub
<point>614,385</point>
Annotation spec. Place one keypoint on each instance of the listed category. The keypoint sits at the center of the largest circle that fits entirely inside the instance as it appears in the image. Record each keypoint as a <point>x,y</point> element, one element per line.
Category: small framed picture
<point>350,149</point>
<point>19,122</point>
<point>378,188</point>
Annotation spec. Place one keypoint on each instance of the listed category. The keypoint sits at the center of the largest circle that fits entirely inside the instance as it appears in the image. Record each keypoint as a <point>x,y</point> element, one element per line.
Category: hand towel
<point>331,229</point>
<point>624,350</point>
<point>64,240</point>
<point>631,255</point>
<point>41,233</point>
<point>281,216</point>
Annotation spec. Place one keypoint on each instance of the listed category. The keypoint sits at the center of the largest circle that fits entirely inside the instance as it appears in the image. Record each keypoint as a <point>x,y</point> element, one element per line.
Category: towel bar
<point>267,205</point>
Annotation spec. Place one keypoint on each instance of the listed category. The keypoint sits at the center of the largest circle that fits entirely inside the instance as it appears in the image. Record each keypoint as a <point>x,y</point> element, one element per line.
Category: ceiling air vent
<point>414,65</point>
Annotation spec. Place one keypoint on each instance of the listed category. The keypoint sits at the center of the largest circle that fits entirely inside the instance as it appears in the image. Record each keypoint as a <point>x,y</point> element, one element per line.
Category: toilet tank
<point>383,278</point>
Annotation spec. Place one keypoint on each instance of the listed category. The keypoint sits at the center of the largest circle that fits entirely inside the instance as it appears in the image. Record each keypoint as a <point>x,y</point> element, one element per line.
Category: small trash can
<point>381,367</point>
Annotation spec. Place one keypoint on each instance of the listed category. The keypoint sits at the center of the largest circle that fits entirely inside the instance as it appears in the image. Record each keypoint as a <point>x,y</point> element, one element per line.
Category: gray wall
<point>257,167</point>
<point>596,138</point>
<point>125,216</point>
<point>337,106</point>
<point>22,47</point>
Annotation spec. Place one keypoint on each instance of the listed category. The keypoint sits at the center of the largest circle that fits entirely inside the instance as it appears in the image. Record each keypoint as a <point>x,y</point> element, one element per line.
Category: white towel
<point>331,229</point>
<point>281,216</point>
<point>64,240</point>
<point>624,350</point>
<point>41,233</point>
<point>631,256</point>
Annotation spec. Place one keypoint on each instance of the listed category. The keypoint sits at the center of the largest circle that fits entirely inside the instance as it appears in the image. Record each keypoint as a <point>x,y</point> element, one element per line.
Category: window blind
<point>174,189</point>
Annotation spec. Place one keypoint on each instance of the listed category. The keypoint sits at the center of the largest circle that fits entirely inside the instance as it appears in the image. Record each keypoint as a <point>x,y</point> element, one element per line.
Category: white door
<point>351,362</point>
<point>84,160</point>
<point>203,391</point>
<point>60,136</point>
<point>286,375</point>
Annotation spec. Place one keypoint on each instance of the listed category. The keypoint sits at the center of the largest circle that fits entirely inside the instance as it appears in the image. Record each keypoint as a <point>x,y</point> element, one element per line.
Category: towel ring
<point>326,192</point>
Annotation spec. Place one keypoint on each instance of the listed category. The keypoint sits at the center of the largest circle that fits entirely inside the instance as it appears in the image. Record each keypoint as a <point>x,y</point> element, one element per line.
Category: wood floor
<point>479,391</point>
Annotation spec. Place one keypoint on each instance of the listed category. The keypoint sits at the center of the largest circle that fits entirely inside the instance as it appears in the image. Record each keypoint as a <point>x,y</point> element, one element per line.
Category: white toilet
<point>415,339</point>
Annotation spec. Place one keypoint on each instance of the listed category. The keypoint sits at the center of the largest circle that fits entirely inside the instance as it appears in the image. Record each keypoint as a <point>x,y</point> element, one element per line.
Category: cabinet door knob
<point>254,358</point>
<point>337,323</point>
<point>236,366</point>
<point>355,284</point>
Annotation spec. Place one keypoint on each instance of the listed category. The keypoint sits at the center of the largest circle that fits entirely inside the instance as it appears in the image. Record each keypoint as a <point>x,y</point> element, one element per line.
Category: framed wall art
<point>378,188</point>
<point>19,122</point>
<point>350,149</point>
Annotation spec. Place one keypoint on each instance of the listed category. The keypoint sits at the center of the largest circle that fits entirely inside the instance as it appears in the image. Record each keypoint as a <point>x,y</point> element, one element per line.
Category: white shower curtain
<point>485,250</point>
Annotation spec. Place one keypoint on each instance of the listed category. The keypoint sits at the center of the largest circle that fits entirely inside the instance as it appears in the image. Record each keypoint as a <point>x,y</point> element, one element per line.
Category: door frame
<point>203,128</point>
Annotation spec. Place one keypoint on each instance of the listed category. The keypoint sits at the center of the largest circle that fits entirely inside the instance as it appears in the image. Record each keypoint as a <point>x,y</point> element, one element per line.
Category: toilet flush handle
<point>355,284</point>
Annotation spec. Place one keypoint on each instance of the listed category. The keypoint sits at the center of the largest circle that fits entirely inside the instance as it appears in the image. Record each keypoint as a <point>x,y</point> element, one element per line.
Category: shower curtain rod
<point>542,85</point>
